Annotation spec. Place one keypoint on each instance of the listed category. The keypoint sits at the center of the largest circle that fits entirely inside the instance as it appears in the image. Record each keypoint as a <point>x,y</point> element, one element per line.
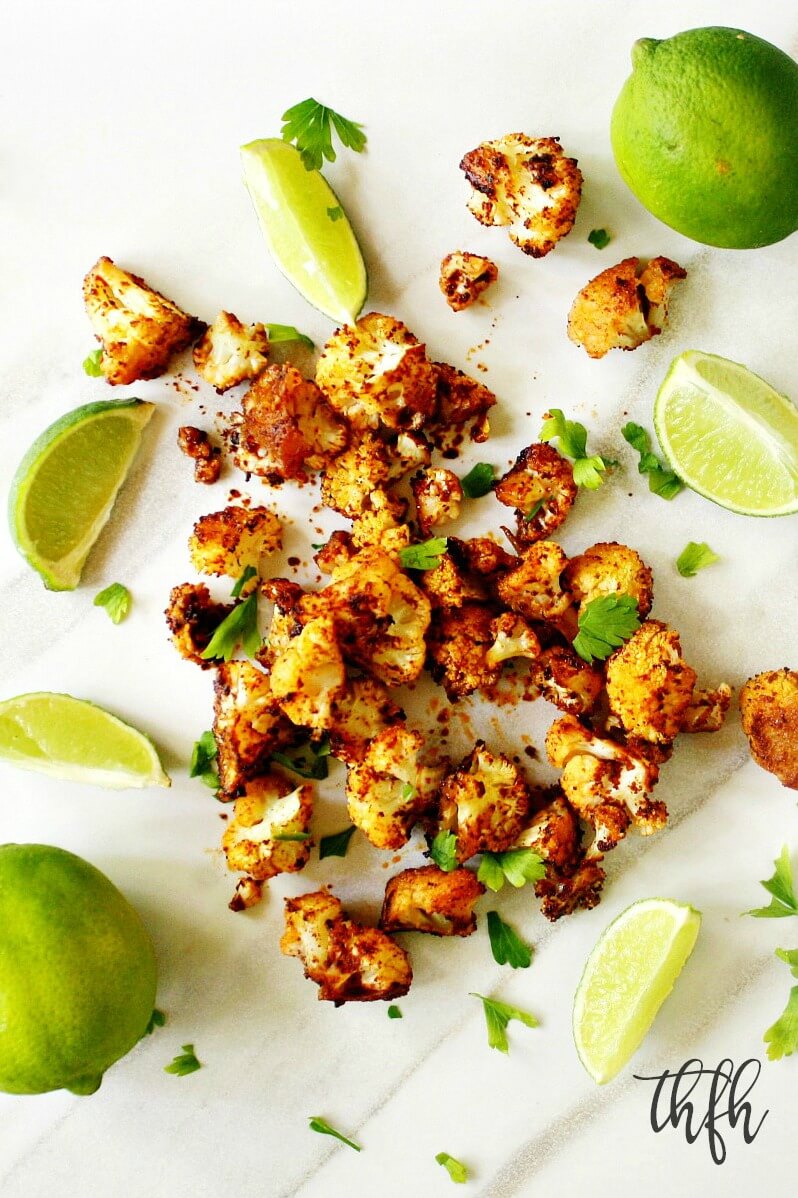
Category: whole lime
<point>77,972</point>
<point>705,133</point>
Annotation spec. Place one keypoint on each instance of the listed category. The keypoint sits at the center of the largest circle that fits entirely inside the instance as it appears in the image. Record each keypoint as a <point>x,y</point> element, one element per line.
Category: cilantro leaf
<point>443,851</point>
<point>780,886</point>
<point>516,866</point>
<point>506,945</point>
<point>572,438</point>
<point>310,761</point>
<point>478,481</point>
<point>600,238</point>
<point>286,332</point>
<point>588,472</point>
<point>240,627</point>
<point>157,1019</point>
<point>324,1129</point>
<point>249,573</point>
<point>661,480</point>
<point>694,557</point>
<point>290,836</point>
<point>309,125</point>
<point>604,624</point>
<point>335,213</point>
<point>790,956</point>
<point>185,1063</point>
<point>394,1012</point>
<point>456,1169</point>
<point>203,758</point>
<point>116,599</point>
<point>426,556</point>
<point>337,844</point>
<point>92,364</point>
<point>782,1037</point>
<point>497,1016</point>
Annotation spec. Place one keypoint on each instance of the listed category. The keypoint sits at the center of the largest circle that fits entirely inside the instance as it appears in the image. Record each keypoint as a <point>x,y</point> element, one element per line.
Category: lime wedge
<point>77,741</point>
<point>306,228</point>
<point>66,484</point>
<point>628,976</point>
<point>729,435</point>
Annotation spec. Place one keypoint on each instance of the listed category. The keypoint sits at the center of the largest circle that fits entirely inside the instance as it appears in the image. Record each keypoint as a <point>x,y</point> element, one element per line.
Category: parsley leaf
<point>661,480</point>
<point>604,624</point>
<point>588,471</point>
<point>443,851</point>
<point>92,364</point>
<point>324,1129</point>
<point>335,213</point>
<point>157,1019</point>
<point>536,507</point>
<point>116,600</point>
<point>478,481</point>
<point>337,844</point>
<point>694,557</point>
<point>516,866</point>
<point>426,556</point>
<point>184,1063</point>
<point>456,1169</point>
<point>249,573</point>
<point>309,762</point>
<point>408,791</point>
<point>240,627</point>
<point>394,1012</point>
<point>784,901</point>
<point>790,956</point>
<point>497,1016</point>
<point>506,945</point>
<point>600,238</point>
<point>203,758</point>
<point>782,1037</point>
<point>572,438</point>
<point>310,125</point>
<point>286,332</point>
<point>290,836</point>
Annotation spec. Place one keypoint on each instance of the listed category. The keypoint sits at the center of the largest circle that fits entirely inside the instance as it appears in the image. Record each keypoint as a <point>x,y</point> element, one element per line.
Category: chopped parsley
<point>291,836</point>
<point>157,1019</point>
<point>790,957</point>
<point>478,481</point>
<point>780,886</point>
<point>203,760</point>
<point>249,573</point>
<point>426,556</point>
<point>506,945</point>
<point>661,480</point>
<point>92,364</point>
<point>309,125</point>
<point>536,507</point>
<point>443,851</point>
<point>694,557</point>
<point>116,599</point>
<point>572,438</point>
<point>600,238</point>
<point>497,1016</point>
<point>782,1037</point>
<point>337,844</point>
<point>239,627</point>
<point>310,761</point>
<point>335,213</point>
<point>185,1063</point>
<point>516,866</point>
<point>286,332</point>
<point>394,1012</point>
<point>324,1129</point>
<point>604,624</point>
<point>456,1169</point>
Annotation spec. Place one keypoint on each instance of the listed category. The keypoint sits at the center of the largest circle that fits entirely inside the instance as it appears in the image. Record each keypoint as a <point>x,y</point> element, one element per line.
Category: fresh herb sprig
<point>116,599</point>
<point>310,125</point>
<point>661,480</point>
<point>337,844</point>
<point>280,333</point>
<point>184,1063</point>
<point>478,481</point>
<point>317,1123</point>
<point>497,1017</point>
<point>92,364</point>
<point>506,945</point>
<point>443,851</point>
<point>784,901</point>
<point>694,557</point>
<point>203,760</point>
<point>604,625</point>
<point>600,238</point>
<point>572,443</point>
<point>239,627</point>
<point>425,556</point>
<point>456,1169</point>
<point>309,761</point>
<point>516,866</point>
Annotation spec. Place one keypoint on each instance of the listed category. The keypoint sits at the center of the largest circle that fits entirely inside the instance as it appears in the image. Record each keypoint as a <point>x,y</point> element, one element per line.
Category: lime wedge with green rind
<point>76,741</point>
<point>306,228</point>
<point>65,486</point>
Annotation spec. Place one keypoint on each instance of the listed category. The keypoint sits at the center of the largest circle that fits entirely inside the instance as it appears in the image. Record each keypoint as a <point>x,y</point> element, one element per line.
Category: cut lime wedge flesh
<point>729,435</point>
<point>66,484</point>
<point>628,976</point>
<point>305,228</point>
<point>77,741</point>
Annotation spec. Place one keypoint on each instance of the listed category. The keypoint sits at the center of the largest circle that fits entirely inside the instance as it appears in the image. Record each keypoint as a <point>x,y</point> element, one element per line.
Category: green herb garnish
<point>92,364</point>
<point>426,556</point>
<point>443,851</point>
<point>203,760</point>
<point>309,125</point>
<point>694,557</point>
<point>116,599</point>
<point>661,480</point>
<point>516,866</point>
<point>478,481</point>
<point>240,627</point>
<point>506,945</point>
<point>497,1016</point>
<point>605,624</point>
<point>572,443</point>
<point>456,1169</point>
<point>337,844</point>
<point>324,1129</point>
<point>184,1063</point>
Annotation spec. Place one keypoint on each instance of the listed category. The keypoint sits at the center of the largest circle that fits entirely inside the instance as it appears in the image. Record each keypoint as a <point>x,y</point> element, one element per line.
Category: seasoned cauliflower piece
<point>623,306</point>
<point>553,833</point>
<point>512,638</point>
<point>363,711</point>
<point>286,427</point>
<point>459,642</point>
<point>207,458</point>
<point>269,831</point>
<point>379,524</point>
<point>229,352</point>
<point>464,277</point>
<point>459,399</point>
<point>193,617</point>
<point>388,791</point>
<point>410,451</point>
<point>348,961</point>
<point>353,475</point>
<point>563,893</point>
<point>541,488</point>
<point>336,552</point>
<point>286,622</point>
<point>483,556</point>
<point>484,802</point>
<point>567,681</point>
<point>649,686</point>
<point>228,541</point>
<point>429,900</point>
<point>248,723</point>
<point>376,374</point>
<point>608,568</point>
<point>308,675</point>
<point>438,495</point>
<point>139,328</point>
<point>769,710</point>
<point>248,893</point>
<point>450,584</point>
<point>527,184</point>
<point>707,710</point>
<point>533,588</point>
<point>572,880</point>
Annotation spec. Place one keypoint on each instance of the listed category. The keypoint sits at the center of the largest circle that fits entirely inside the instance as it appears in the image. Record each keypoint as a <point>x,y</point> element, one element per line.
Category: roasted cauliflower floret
<point>363,711</point>
<point>229,352</point>
<point>459,399</point>
<point>533,587</point>
<point>451,584</point>
<point>388,791</point>
<point>193,617</point>
<point>248,893</point>
<point>459,642</point>
<point>269,833</point>
<point>349,962</point>
<point>553,833</point>
<point>608,568</point>
<point>567,681</point>
<point>335,552</point>
<point>707,710</point>
<point>410,451</point>
<point>286,427</point>
<point>438,495</point>
<point>207,458</point>
<point>769,710</point>
<point>484,802</point>
<point>649,686</point>
<point>527,184</point>
<point>429,900</point>
<point>228,541</point>
<point>248,723</point>
<point>541,488</point>
<point>623,306</point>
<point>571,880</point>
<point>140,329</point>
<point>512,638</point>
<point>353,475</point>
<point>563,893</point>
<point>380,524</point>
<point>376,374</point>
<point>464,277</point>
<point>483,556</point>
<point>308,676</point>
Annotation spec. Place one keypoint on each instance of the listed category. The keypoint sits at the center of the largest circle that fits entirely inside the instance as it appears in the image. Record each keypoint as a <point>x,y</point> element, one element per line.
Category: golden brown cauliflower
<point>429,900</point>
<point>608,568</point>
<point>563,893</point>
<point>513,637</point>
<point>139,328</point>
<point>269,833</point>
<point>533,587</point>
<point>388,791</point>
<point>451,584</point>
<point>464,277</point>
<point>649,686</point>
<point>248,893</point>
<point>460,641</point>
<point>380,523</point>
<point>562,677</point>
<point>308,675</point>
<point>541,488</point>
<point>229,352</point>
<point>553,833</point>
<point>228,541</point>
<point>363,711</point>
<point>349,962</point>
<point>193,617</point>
<point>707,709</point>
<point>286,427</point>
<point>623,306</point>
<point>527,184</point>
<point>458,400</point>
<point>351,477</point>
<point>248,723</point>
<point>196,444</point>
<point>438,495</point>
<point>484,802</point>
<point>376,374</point>
<point>769,710</point>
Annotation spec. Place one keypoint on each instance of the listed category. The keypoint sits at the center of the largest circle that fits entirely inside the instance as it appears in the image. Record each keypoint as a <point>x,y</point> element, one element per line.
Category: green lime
<point>628,976</point>
<point>306,229</point>
<point>77,972</point>
<point>66,484</point>
<point>77,741</point>
<point>729,435</point>
<point>705,133</point>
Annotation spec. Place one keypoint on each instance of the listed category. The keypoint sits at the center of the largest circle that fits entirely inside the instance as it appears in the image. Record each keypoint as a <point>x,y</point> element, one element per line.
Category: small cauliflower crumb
<point>623,306</point>
<point>207,458</point>
<point>464,277</point>
<point>230,352</point>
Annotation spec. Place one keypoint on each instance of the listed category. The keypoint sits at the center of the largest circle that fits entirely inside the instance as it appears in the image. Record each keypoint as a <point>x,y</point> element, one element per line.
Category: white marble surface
<point>121,135</point>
